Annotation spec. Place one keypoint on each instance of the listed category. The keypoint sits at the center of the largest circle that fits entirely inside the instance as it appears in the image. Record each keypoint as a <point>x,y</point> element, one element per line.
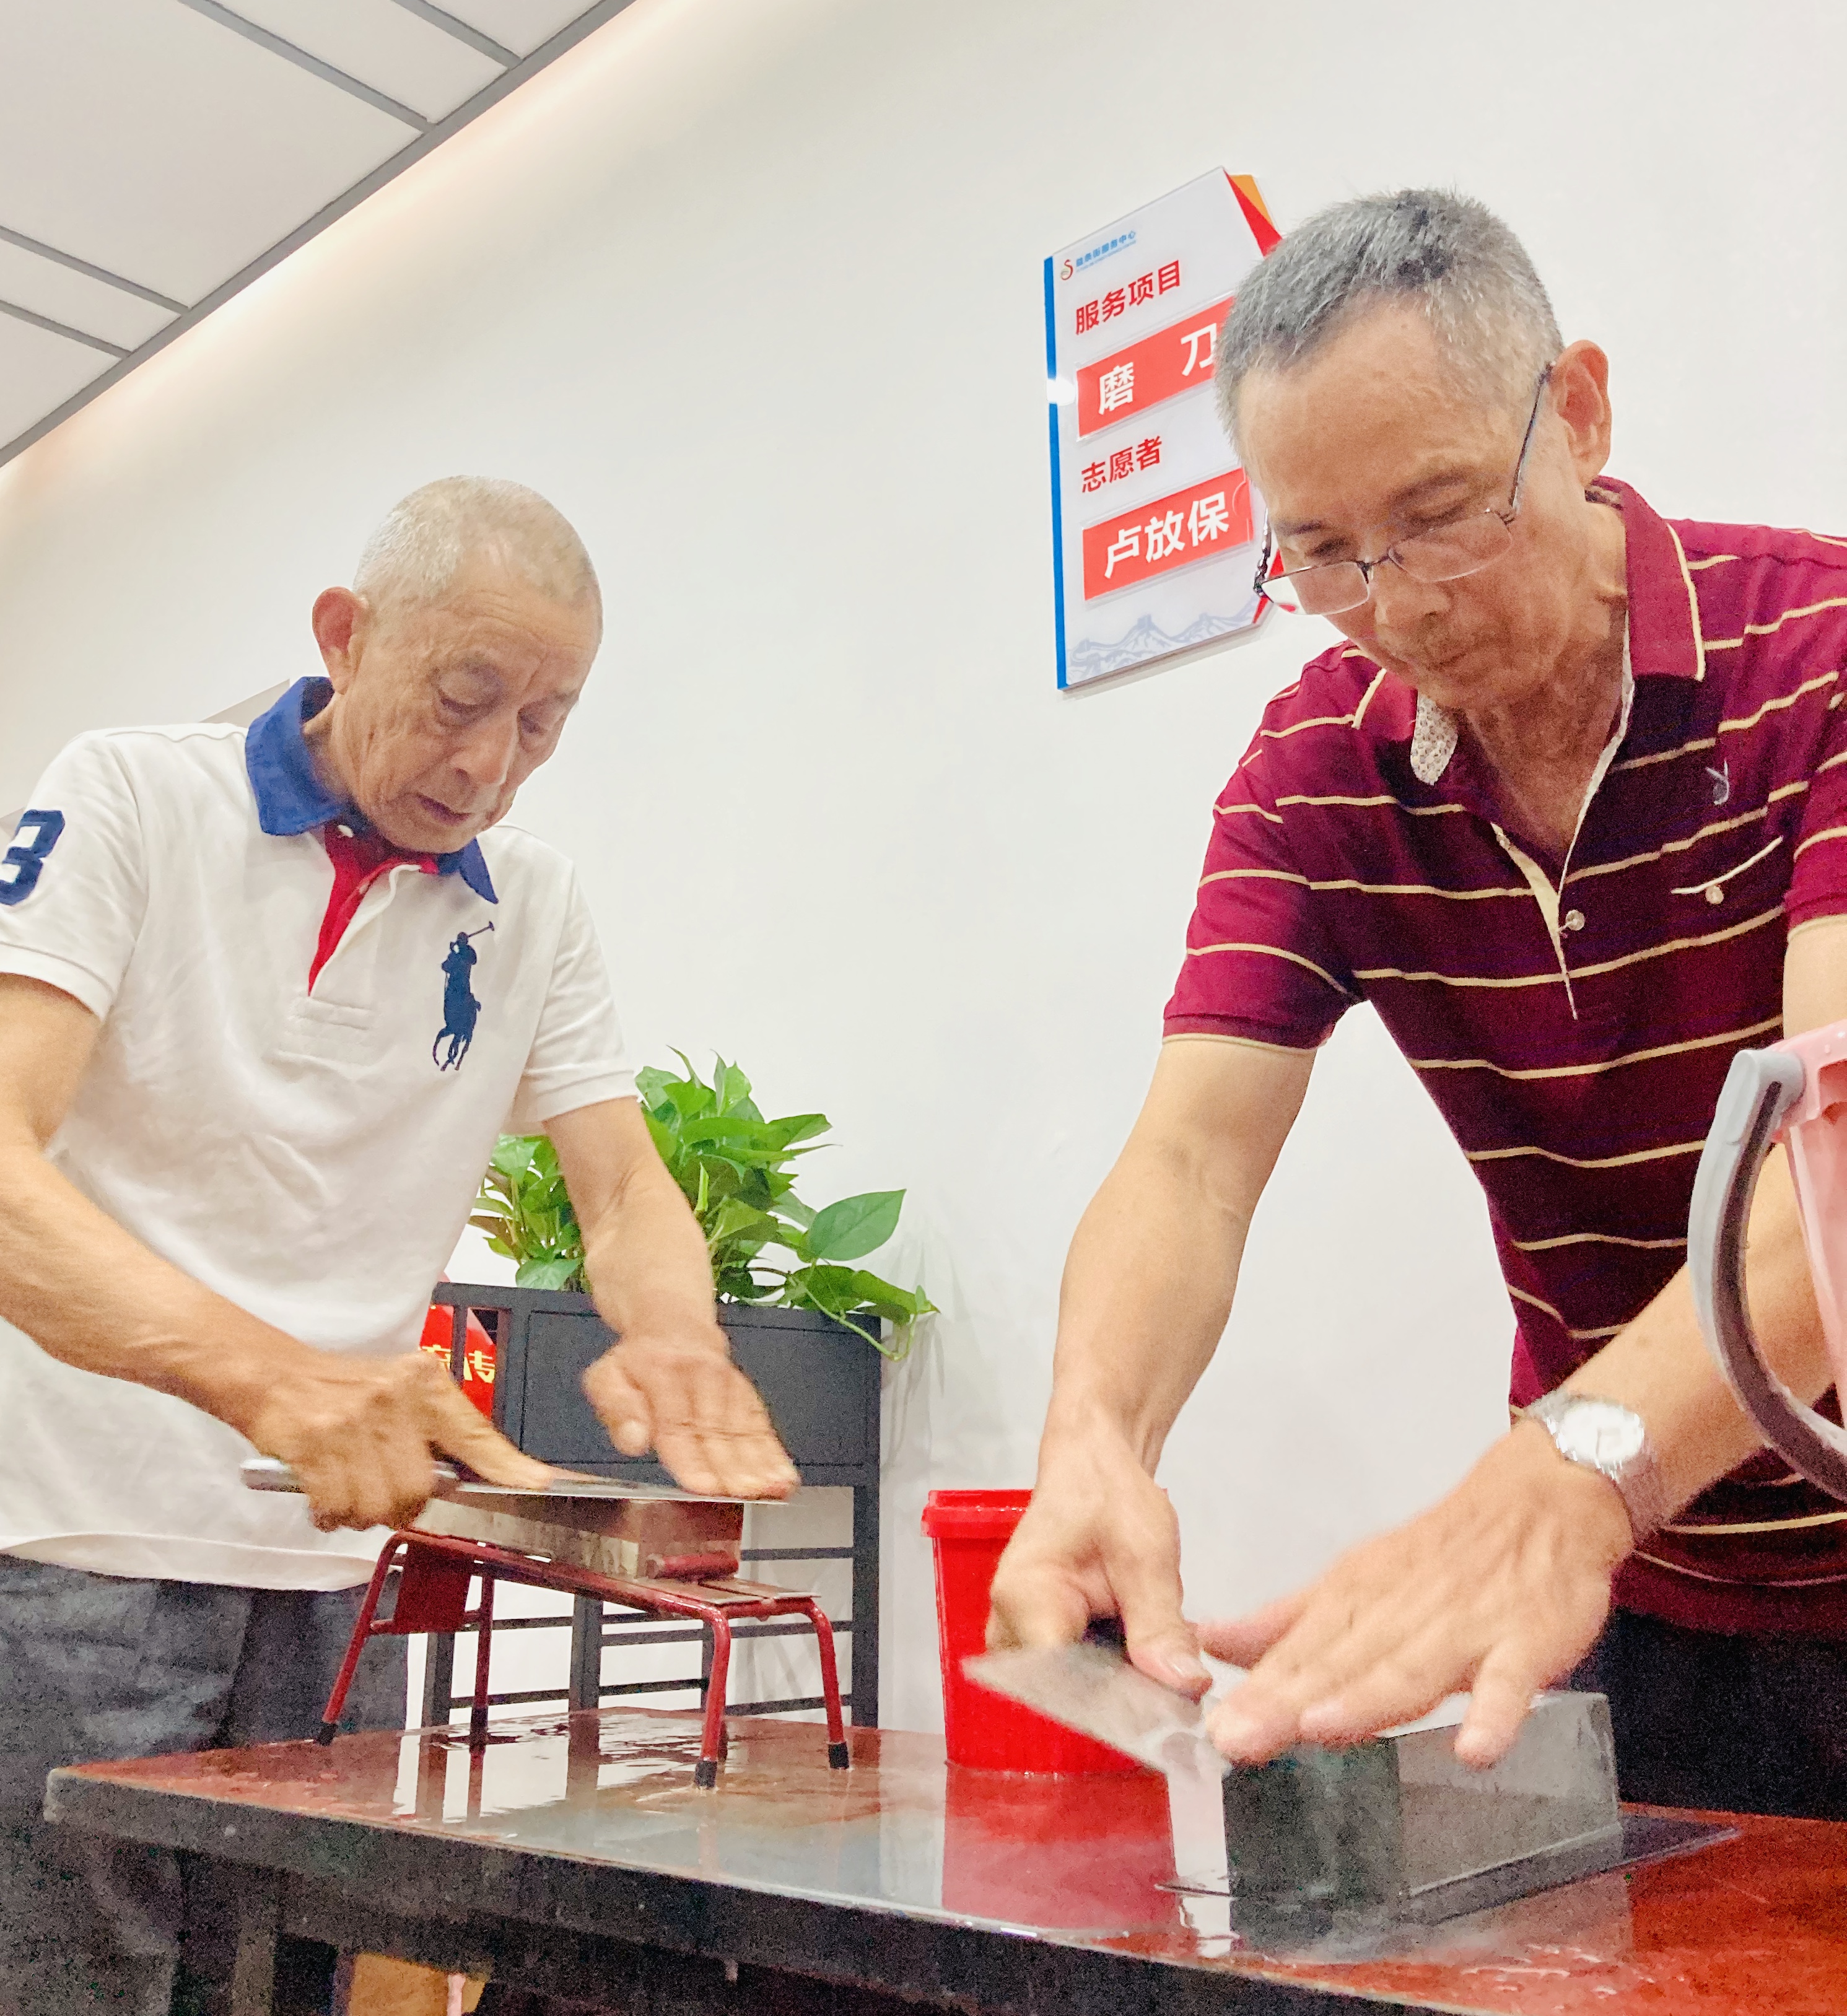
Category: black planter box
<point>819,1380</point>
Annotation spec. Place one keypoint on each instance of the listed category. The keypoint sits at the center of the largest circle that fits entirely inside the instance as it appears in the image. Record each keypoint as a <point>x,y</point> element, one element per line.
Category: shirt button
<point>1714,893</point>
<point>1574,921</point>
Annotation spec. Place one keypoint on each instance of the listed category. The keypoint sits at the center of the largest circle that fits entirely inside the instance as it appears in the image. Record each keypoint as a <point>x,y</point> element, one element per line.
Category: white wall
<point>752,289</point>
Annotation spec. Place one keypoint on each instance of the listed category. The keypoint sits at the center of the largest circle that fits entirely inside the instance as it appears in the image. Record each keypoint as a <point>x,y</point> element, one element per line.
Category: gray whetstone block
<point>1390,1820</point>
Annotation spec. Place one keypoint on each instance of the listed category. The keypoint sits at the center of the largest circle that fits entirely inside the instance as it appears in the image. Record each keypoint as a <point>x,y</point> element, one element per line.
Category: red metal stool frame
<point>433,1595</point>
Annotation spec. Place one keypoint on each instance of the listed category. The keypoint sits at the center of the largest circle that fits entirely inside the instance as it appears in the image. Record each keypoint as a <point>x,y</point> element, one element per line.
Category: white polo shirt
<point>310,1155</point>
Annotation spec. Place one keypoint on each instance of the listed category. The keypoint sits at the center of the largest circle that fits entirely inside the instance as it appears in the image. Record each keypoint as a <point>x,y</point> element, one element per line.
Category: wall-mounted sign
<point>1153,531</point>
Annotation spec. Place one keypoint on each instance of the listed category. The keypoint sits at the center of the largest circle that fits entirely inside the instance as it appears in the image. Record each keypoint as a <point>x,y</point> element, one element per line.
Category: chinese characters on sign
<point>1119,300</point>
<point>1123,461</point>
<point>1209,518</point>
<point>1153,521</point>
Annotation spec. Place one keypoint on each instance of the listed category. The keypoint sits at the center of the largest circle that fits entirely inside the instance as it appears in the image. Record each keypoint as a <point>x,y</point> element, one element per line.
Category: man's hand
<point>669,1384</point>
<point>361,1434</point>
<point>1500,1588</point>
<point>680,1395</point>
<point>1099,1539</point>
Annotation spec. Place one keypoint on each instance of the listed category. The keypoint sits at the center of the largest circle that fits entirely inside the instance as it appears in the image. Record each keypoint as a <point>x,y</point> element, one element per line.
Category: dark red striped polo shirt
<point>1577,1057</point>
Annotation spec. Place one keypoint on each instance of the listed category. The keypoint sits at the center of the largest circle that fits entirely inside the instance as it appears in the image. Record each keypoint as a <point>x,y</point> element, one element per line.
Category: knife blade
<point>267,1473</point>
<point>1094,1690</point>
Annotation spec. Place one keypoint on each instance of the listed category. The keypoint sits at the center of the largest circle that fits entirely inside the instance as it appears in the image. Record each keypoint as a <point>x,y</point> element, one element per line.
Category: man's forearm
<point>646,1259</point>
<point>89,1293</point>
<point>1147,1288</point>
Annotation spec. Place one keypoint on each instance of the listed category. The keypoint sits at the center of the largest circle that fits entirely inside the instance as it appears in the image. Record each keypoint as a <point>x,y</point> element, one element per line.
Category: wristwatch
<point>1605,1436</point>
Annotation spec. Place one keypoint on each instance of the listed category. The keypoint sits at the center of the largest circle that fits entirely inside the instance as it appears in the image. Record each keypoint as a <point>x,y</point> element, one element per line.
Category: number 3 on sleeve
<point>33,838</point>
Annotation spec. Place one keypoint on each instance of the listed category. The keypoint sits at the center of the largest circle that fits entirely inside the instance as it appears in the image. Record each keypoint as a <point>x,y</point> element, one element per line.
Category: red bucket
<point>971,1530</point>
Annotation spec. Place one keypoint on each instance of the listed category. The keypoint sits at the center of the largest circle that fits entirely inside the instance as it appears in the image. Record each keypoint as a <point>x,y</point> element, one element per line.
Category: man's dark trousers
<point>1733,1724</point>
<point>96,1666</point>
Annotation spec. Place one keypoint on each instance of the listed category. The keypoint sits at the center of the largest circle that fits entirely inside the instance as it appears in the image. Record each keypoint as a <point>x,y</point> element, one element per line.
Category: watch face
<point>1601,1434</point>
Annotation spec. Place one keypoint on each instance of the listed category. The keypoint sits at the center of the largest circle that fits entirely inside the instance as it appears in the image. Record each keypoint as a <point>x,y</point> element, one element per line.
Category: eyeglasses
<point>1446,552</point>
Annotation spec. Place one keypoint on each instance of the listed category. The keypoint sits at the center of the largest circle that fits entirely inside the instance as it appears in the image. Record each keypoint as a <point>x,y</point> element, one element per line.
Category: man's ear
<point>339,622</point>
<point>1581,396</point>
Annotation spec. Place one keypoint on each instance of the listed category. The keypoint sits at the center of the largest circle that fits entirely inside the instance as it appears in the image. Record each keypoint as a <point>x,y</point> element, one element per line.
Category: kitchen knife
<point>267,1473</point>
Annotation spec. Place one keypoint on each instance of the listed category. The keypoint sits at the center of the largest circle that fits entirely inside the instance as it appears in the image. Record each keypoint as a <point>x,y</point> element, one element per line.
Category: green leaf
<point>855,1225</point>
<point>651,1082</point>
<point>731,1086</point>
<point>795,1127</point>
<point>555,1272</point>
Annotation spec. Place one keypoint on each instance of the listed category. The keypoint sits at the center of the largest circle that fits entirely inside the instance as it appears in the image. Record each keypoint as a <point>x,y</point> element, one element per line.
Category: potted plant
<point>799,1313</point>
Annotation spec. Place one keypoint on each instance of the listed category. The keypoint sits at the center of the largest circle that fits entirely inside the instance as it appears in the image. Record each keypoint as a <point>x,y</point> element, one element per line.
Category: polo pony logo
<point>460,1009</point>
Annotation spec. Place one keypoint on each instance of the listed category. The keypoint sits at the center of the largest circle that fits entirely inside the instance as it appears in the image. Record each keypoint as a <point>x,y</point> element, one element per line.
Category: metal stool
<point>433,1595</point>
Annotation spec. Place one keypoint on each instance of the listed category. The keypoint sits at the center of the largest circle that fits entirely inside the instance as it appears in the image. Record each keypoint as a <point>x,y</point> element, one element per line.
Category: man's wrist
<point>1085,1430</point>
<point>1591,1502</point>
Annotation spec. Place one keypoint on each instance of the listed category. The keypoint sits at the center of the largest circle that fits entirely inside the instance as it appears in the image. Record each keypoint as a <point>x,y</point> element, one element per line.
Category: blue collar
<point>291,799</point>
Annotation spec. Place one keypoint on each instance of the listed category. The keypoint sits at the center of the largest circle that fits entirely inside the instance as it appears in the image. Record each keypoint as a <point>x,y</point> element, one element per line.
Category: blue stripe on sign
<point>1057,505</point>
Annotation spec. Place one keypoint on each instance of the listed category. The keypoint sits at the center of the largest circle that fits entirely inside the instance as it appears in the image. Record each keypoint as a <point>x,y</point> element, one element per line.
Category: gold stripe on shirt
<point>1273,952</point>
<point>1275,819</point>
<point>1296,727</point>
<point>1693,605</point>
<point>1789,699</point>
<point>1693,839</point>
<point>1423,889</point>
<point>1254,874</point>
<point>1815,839</point>
<point>1556,979</point>
<point>1697,1531</point>
<point>1764,629</point>
<point>1711,559</point>
<point>1593,1162</point>
<point>1774,1022</point>
<point>1666,755</point>
<point>1557,1315</point>
<point>1380,798</point>
<point>1366,699</point>
<point>1595,1239</point>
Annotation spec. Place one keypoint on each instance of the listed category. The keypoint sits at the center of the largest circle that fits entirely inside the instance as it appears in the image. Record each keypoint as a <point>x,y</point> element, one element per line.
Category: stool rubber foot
<point>327,1732</point>
<point>705,1773</point>
<point>839,1757</point>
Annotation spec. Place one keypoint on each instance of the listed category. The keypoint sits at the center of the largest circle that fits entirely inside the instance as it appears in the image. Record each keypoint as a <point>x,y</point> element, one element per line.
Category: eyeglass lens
<point>1444,554</point>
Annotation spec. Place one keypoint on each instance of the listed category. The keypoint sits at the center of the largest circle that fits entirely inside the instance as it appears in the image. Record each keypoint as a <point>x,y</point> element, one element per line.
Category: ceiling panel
<point>522,25</point>
<point>93,306</point>
<point>174,149</point>
<point>38,371</point>
<point>142,137</point>
<point>383,44</point>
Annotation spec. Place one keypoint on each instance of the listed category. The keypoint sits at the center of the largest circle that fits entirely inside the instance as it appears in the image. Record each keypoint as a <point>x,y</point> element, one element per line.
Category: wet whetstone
<point>1399,1822</point>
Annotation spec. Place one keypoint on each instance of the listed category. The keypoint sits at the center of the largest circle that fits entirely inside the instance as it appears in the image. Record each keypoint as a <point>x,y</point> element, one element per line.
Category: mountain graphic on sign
<point>1142,640</point>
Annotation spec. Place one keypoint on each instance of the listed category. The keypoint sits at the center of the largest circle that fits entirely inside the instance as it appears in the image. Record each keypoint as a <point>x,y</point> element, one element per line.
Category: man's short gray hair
<point>428,536</point>
<point>1434,250</point>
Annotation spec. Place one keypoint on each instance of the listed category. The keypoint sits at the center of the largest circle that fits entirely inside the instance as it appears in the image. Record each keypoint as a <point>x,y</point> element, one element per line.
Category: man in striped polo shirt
<point>1569,809</point>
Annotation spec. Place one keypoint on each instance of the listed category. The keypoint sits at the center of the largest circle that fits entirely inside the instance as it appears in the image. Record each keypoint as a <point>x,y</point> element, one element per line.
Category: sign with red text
<point>1154,524</point>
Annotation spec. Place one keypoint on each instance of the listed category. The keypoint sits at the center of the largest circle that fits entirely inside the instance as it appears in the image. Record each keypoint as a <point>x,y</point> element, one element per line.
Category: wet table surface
<point>576,1851</point>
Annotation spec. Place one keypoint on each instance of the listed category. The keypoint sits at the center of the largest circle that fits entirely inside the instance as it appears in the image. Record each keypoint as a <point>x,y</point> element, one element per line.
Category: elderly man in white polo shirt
<point>265,1001</point>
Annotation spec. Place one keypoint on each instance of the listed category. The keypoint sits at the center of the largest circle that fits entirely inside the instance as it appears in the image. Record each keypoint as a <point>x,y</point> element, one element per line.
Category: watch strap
<point>1638,1477</point>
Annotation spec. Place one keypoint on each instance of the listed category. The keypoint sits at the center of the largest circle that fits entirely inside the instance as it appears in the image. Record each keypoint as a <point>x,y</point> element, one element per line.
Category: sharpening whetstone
<point>670,1539</point>
<point>1399,1822</point>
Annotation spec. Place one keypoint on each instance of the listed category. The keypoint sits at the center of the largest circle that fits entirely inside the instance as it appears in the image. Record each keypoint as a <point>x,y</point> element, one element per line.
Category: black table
<point>573,1856</point>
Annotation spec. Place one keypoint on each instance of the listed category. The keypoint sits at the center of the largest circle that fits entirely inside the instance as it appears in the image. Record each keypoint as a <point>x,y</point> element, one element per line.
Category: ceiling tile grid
<point>155,155</point>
